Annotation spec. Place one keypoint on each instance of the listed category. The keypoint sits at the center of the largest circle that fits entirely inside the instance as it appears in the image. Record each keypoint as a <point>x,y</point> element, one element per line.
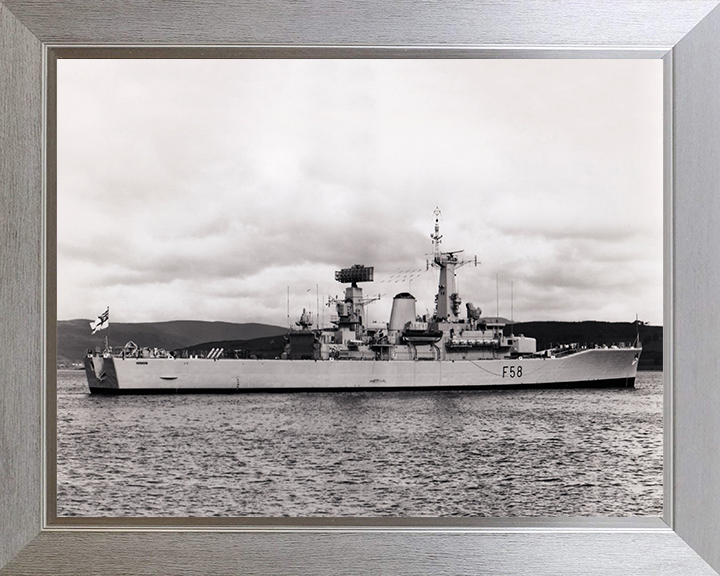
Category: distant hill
<point>264,341</point>
<point>547,334</point>
<point>267,347</point>
<point>74,337</point>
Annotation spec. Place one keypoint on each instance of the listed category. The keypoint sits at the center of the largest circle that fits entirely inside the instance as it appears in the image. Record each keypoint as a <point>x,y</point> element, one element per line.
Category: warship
<point>449,348</point>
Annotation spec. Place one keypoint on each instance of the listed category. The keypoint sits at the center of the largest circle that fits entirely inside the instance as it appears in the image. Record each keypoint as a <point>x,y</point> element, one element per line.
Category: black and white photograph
<point>359,288</point>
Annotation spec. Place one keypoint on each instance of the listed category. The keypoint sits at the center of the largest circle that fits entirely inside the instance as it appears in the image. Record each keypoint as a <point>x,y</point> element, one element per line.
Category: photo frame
<point>686,35</point>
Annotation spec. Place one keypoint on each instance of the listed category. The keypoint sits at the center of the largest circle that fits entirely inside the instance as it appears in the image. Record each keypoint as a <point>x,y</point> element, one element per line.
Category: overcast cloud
<point>202,189</point>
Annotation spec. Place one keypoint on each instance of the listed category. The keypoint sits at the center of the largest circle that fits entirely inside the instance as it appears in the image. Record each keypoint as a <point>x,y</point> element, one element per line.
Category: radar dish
<point>358,273</point>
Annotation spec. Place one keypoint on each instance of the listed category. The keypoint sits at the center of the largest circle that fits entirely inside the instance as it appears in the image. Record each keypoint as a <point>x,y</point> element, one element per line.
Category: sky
<point>212,189</point>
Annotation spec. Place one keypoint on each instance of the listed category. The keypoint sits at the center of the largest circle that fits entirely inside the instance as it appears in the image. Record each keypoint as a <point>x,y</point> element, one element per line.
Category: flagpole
<point>107,334</point>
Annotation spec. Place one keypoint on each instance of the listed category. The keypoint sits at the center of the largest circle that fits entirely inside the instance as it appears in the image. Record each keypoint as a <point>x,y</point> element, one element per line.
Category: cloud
<point>205,188</point>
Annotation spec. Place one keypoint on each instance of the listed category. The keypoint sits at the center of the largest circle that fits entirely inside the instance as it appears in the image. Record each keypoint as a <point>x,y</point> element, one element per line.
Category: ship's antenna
<point>497,297</point>
<point>288,307</point>
<point>437,237</point>
<point>317,306</point>
<point>512,310</point>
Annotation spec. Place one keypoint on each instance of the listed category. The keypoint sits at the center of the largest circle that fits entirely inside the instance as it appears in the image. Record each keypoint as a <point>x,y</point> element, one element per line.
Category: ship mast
<point>448,299</point>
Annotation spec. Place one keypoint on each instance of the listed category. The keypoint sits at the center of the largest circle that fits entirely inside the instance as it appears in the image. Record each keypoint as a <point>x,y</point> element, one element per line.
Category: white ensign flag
<point>102,322</point>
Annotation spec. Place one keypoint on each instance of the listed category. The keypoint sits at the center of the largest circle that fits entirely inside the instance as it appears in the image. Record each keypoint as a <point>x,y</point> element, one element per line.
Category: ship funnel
<point>403,311</point>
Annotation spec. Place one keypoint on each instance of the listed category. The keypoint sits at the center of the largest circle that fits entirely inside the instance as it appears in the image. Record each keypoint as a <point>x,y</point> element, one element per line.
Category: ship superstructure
<point>445,335</point>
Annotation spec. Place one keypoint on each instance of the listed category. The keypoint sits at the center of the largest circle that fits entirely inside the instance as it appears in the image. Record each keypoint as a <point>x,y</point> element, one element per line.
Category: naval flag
<point>102,322</point>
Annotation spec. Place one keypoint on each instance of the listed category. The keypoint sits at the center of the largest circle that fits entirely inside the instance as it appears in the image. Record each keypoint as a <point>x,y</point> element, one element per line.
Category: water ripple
<point>472,453</point>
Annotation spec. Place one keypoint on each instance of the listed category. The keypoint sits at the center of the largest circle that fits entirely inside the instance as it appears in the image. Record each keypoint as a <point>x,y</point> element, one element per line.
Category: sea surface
<point>565,452</point>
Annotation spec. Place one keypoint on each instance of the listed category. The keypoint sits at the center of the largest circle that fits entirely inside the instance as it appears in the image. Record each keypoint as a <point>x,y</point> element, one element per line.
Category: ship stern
<point>101,375</point>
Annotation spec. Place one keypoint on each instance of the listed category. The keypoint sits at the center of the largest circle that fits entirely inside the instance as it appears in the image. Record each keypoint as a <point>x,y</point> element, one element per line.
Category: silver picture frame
<point>685,34</point>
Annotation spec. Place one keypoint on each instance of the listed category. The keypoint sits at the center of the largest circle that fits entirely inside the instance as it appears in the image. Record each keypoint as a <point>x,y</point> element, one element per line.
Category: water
<point>578,452</point>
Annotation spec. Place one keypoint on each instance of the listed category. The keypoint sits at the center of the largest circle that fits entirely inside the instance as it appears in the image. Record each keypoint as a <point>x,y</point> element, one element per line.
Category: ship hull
<point>586,368</point>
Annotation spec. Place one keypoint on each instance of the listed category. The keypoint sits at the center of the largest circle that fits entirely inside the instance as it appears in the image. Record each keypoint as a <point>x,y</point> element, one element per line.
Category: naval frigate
<point>445,349</point>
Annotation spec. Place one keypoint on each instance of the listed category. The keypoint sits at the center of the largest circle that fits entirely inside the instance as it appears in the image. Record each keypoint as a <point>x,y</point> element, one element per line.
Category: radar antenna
<point>351,309</point>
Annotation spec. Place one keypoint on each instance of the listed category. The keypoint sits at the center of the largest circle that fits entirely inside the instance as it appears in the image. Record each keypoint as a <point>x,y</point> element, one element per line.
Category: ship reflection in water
<point>535,452</point>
